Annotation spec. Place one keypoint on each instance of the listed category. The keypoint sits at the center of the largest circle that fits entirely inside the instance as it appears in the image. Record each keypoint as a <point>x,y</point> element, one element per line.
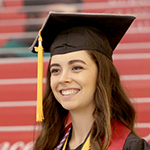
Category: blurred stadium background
<point>19,24</point>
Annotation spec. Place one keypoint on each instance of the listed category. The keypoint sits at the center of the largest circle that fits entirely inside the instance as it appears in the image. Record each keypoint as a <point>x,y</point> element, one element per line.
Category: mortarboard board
<point>112,26</point>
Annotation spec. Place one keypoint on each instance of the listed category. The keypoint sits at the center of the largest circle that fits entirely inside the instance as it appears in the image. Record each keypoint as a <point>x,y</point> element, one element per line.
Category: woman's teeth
<point>69,92</point>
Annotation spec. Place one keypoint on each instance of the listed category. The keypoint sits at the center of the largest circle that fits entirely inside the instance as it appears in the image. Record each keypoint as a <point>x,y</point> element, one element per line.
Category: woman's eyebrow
<point>54,64</point>
<point>76,60</point>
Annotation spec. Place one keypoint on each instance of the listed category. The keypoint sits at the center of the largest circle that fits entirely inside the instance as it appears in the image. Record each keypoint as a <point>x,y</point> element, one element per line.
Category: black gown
<point>134,143</point>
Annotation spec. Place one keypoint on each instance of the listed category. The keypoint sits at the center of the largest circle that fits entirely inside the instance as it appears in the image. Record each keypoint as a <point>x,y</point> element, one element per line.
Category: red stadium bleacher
<point>18,75</point>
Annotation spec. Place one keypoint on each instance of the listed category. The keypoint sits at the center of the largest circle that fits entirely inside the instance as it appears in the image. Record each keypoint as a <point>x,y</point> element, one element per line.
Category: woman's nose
<point>65,77</point>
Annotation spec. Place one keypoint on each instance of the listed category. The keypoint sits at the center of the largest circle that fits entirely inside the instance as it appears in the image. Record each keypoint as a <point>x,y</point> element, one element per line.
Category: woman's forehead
<point>77,55</point>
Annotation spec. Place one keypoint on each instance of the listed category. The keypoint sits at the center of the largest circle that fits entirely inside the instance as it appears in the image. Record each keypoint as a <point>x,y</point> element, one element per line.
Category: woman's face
<point>73,80</point>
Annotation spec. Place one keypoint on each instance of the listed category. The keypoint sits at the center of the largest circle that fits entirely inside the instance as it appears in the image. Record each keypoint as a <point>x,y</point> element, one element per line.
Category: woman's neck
<point>81,125</point>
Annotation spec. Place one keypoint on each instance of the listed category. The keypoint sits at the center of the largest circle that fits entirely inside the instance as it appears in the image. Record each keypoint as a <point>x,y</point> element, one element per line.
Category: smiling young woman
<point>83,83</point>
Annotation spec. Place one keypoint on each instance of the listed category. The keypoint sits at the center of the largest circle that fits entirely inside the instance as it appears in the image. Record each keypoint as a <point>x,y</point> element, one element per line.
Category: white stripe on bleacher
<point>116,4</point>
<point>135,77</point>
<point>22,60</point>
<point>140,100</point>
<point>142,125</point>
<point>20,81</point>
<point>131,46</point>
<point>18,35</point>
<point>33,103</point>
<point>18,128</point>
<point>29,21</point>
<point>131,56</point>
<point>18,103</point>
<point>34,80</point>
<point>138,30</point>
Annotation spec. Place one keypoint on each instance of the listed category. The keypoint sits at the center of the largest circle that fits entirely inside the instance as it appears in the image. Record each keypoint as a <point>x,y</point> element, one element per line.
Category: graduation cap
<point>67,32</point>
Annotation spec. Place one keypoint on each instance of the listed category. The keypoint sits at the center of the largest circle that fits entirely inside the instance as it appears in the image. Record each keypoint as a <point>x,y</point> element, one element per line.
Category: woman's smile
<point>69,92</point>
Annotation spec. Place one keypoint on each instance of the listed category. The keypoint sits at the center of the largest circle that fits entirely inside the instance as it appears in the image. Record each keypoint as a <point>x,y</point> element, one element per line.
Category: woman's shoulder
<point>135,143</point>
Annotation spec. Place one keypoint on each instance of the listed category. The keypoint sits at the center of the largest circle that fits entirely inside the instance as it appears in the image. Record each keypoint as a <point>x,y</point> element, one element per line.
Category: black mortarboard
<point>111,25</point>
<point>67,32</point>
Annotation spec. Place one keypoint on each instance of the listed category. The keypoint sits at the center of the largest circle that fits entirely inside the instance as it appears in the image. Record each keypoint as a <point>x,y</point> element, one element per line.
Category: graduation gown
<point>134,143</point>
<point>122,139</point>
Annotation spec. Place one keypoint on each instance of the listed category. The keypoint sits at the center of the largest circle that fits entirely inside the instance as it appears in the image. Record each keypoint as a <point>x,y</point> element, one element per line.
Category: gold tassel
<point>39,107</point>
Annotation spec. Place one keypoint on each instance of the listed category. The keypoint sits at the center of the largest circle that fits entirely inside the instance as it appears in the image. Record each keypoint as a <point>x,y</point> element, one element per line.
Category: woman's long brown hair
<point>111,104</point>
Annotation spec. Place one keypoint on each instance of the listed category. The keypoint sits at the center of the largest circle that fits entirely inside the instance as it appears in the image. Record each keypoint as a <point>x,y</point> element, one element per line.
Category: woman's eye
<point>54,71</point>
<point>77,68</point>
